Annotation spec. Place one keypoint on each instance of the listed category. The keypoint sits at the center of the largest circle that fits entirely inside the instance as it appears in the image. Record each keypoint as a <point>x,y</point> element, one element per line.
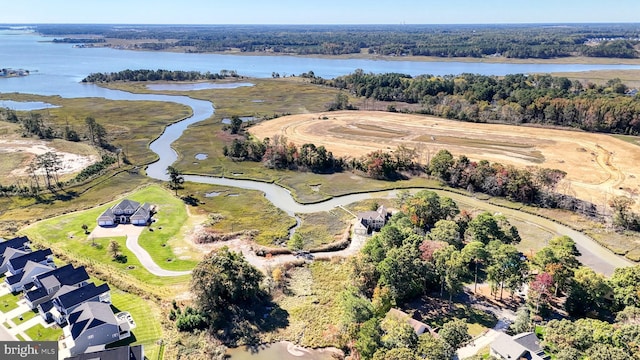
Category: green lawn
<point>40,333</point>
<point>9,302</point>
<point>145,314</point>
<point>26,316</point>
<point>20,338</point>
<point>65,234</point>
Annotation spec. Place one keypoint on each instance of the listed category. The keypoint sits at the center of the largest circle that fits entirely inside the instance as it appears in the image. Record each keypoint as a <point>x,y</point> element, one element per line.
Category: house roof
<point>66,275</point>
<point>16,243</point>
<point>80,295</point>
<point>143,212</point>
<point>418,326</point>
<point>36,294</point>
<point>107,215</point>
<point>46,306</point>
<point>119,353</point>
<point>10,253</point>
<point>28,270</point>
<point>126,204</point>
<point>380,214</point>
<point>90,315</point>
<point>517,347</point>
<point>37,256</point>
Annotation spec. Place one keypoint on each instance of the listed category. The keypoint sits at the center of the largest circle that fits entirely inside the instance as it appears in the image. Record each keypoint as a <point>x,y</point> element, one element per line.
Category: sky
<point>317,12</point>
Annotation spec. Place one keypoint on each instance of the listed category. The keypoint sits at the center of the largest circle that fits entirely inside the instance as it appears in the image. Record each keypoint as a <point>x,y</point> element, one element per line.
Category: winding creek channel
<point>593,254</point>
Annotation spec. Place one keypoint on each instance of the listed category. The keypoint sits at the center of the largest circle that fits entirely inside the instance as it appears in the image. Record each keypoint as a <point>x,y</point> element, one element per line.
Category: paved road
<point>132,233</point>
<point>594,255</point>
<point>5,336</point>
<point>147,261</point>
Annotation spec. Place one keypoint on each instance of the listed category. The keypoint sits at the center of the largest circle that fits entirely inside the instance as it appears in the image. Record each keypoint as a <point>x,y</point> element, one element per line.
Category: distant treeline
<point>514,99</point>
<point>156,75</point>
<point>512,41</point>
<point>79,40</point>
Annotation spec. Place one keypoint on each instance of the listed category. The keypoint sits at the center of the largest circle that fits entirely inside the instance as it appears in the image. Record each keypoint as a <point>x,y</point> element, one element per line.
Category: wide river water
<point>56,69</point>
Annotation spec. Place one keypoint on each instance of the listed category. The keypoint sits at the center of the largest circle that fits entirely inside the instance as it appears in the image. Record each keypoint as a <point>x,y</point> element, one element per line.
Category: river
<point>56,69</point>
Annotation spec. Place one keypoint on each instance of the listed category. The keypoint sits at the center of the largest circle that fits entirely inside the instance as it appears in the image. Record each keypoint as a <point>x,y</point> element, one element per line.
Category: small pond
<point>243,118</point>
<point>26,105</point>
<point>257,101</point>
<point>195,86</point>
<point>212,194</point>
<point>202,156</point>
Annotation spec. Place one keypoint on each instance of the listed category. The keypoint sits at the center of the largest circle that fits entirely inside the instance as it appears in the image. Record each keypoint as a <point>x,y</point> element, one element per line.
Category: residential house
<point>13,248</point>
<point>24,278</point>
<point>46,285</point>
<point>517,347</point>
<point>372,220</point>
<point>17,264</point>
<point>68,298</point>
<point>92,325</point>
<point>119,353</point>
<point>418,326</point>
<point>126,212</point>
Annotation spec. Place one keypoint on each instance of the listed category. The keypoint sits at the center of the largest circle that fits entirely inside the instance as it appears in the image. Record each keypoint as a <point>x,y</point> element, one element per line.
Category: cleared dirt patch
<point>21,153</point>
<point>598,166</point>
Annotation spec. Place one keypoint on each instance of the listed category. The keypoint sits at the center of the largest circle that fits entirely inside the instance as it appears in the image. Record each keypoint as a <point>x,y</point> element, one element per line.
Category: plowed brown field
<point>598,166</point>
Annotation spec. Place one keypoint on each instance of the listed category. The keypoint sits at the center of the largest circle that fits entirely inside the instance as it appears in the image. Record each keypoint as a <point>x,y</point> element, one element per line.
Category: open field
<point>598,166</point>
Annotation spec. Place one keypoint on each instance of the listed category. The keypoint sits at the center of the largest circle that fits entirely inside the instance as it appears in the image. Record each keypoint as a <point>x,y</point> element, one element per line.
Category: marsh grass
<point>130,125</point>
<point>242,210</point>
<point>313,304</point>
<point>323,227</point>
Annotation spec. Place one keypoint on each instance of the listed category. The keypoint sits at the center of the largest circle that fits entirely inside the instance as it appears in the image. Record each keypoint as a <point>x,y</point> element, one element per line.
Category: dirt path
<point>266,263</point>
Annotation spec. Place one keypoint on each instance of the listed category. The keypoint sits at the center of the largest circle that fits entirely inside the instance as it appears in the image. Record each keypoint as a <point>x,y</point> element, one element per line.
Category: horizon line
<point>320,24</point>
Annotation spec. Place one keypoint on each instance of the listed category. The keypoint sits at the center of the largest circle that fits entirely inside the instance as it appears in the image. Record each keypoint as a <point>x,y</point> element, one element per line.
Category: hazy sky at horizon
<point>318,12</point>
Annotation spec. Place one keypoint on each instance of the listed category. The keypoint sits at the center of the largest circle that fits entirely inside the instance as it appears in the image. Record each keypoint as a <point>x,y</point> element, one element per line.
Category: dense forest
<point>511,99</point>
<point>540,41</point>
<point>157,75</point>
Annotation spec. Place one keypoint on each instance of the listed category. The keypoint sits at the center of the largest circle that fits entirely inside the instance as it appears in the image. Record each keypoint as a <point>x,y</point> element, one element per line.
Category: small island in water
<point>6,72</point>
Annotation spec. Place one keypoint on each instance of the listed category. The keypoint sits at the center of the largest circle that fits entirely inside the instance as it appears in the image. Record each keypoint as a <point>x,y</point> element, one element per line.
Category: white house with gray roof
<point>126,212</point>
<point>93,325</point>
<point>521,346</point>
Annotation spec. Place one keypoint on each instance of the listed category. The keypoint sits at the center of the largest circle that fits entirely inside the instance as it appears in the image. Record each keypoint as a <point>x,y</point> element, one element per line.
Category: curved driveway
<point>132,233</point>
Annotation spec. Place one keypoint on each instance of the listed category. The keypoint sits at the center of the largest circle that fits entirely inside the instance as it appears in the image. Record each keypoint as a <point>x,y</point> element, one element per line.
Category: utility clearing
<point>598,166</point>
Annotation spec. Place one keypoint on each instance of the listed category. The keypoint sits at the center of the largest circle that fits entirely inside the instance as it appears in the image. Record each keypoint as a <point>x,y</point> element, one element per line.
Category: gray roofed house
<point>125,212</point>
<point>119,353</point>
<point>25,277</point>
<point>16,264</point>
<point>48,284</point>
<point>418,326</point>
<point>10,253</point>
<point>372,220</point>
<point>521,346</point>
<point>12,248</point>
<point>68,298</point>
<point>92,325</point>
